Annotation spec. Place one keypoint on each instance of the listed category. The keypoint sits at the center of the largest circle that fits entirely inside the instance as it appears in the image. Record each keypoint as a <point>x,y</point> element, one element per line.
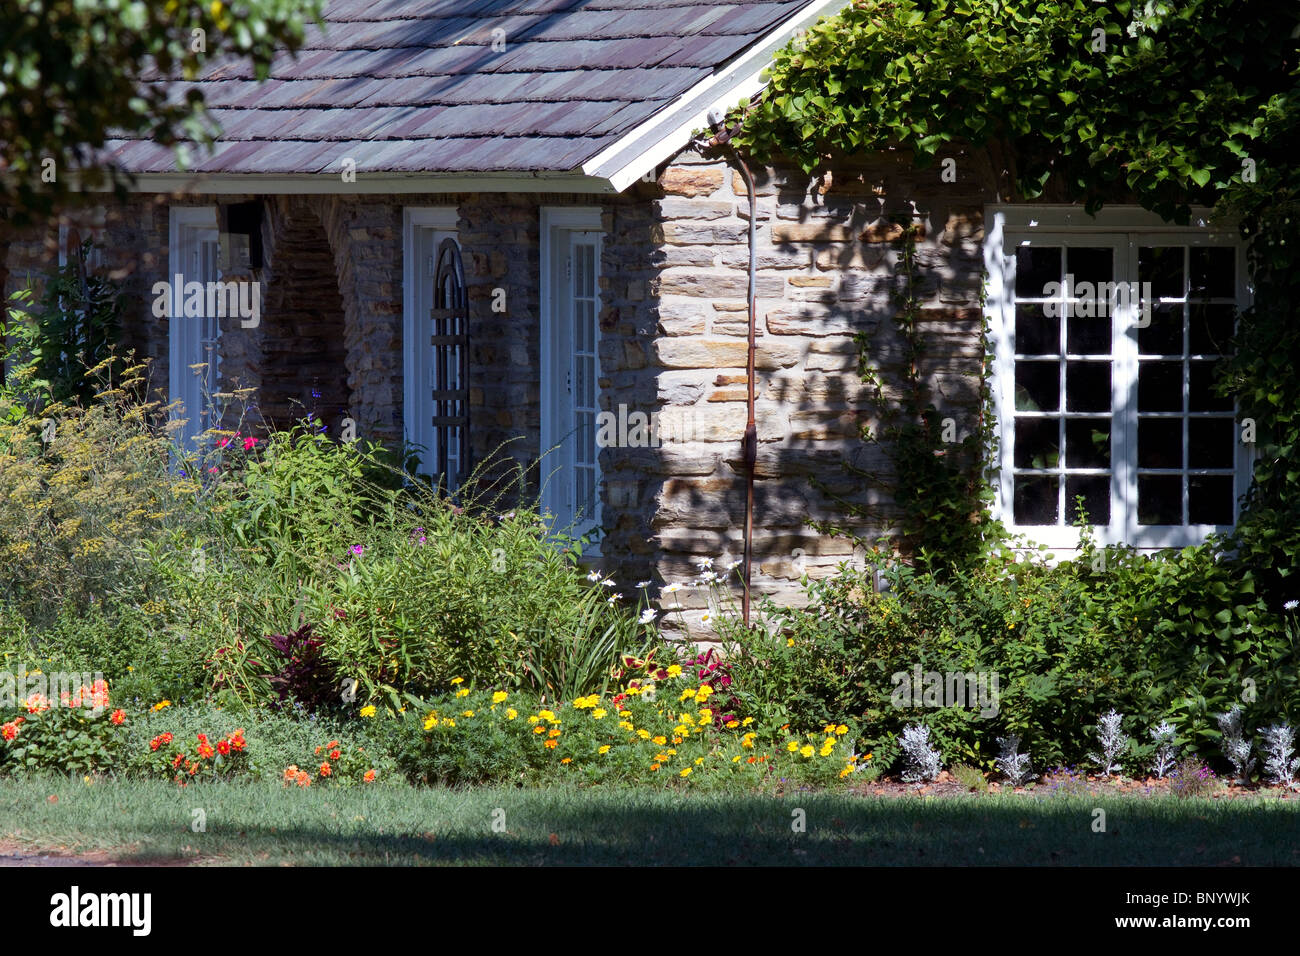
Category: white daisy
<point>642,585</point>
<point>608,582</point>
<point>1291,605</point>
<point>706,617</point>
<point>614,599</point>
<point>673,588</point>
<point>648,615</point>
<point>734,564</point>
<point>593,576</point>
<point>704,562</point>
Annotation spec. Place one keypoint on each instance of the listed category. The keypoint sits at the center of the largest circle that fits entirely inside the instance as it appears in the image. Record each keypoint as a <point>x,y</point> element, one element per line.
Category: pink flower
<point>358,549</point>
<point>249,442</point>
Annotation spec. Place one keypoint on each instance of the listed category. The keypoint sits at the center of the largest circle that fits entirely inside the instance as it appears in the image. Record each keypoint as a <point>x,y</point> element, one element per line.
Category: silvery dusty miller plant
<point>1235,745</point>
<point>922,760</point>
<point>1113,741</point>
<point>1012,763</point>
<point>1166,756</point>
<point>1279,745</point>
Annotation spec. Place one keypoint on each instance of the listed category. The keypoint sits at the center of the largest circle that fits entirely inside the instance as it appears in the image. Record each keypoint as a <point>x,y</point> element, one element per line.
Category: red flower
<point>167,737</point>
<point>118,716</point>
<point>325,770</point>
<point>180,759</point>
<point>223,747</point>
<point>334,755</point>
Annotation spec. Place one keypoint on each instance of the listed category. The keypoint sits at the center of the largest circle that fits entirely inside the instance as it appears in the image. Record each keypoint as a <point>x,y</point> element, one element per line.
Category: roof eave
<point>669,131</point>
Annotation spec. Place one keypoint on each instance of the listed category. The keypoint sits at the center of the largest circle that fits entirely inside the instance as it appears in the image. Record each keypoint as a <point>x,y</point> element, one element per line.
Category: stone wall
<point>826,272</point>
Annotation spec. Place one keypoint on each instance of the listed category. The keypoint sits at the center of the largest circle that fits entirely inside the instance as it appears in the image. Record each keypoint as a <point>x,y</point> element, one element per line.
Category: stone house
<point>486,227</point>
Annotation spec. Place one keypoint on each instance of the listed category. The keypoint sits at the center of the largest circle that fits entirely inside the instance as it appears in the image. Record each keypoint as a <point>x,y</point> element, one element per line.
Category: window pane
<point>1036,334</point>
<point>1085,336</point>
<point>1160,387</point>
<point>1162,266</point>
<point>1090,264</point>
<point>1087,386</point>
<point>1036,442</point>
<point>1160,499</point>
<point>1209,499</point>
<point>1035,267</point>
<point>1214,271</point>
<point>1210,442</point>
<point>1038,386</point>
<point>1035,500</point>
<point>1211,329</point>
<point>1202,396</point>
<point>1087,443</point>
<point>1160,443</point>
<point>1164,334</point>
<point>1096,498</point>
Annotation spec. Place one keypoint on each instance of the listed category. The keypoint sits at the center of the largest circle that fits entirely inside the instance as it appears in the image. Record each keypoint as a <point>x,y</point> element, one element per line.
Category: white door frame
<point>558,225</point>
<point>417,406</point>
<point>185,336</point>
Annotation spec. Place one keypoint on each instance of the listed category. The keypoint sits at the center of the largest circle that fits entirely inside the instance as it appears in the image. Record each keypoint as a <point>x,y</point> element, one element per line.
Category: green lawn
<point>263,824</point>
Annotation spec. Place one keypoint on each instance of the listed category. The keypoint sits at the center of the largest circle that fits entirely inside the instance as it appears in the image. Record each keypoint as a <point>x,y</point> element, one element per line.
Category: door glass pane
<point>1209,499</point>
<point>1160,499</point>
<point>1162,266</point>
<point>1036,266</point>
<point>1096,498</point>
<point>1214,272</point>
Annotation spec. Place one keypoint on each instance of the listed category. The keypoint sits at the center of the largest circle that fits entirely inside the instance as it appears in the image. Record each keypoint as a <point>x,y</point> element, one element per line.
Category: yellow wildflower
<point>511,713</point>
<point>806,750</point>
<point>368,710</point>
<point>499,696</point>
<point>603,750</point>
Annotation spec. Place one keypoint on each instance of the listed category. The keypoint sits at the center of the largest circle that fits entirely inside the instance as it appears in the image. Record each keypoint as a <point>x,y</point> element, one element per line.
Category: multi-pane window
<point>1106,351</point>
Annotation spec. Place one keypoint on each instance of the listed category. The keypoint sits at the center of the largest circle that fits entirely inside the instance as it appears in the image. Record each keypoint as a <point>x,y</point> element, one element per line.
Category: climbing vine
<point>937,470</point>
<point>1161,103</point>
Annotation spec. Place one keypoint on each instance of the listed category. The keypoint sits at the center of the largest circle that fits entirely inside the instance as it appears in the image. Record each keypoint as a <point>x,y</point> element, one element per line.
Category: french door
<point>571,380</point>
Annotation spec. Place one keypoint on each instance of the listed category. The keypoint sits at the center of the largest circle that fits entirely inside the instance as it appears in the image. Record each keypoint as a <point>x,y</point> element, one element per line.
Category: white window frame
<point>417,354</point>
<point>1128,228</point>
<point>184,336</point>
<point>558,226</point>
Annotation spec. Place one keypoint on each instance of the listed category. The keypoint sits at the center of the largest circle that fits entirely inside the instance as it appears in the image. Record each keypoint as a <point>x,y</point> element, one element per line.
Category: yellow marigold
<point>792,746</point>
<point>643,734</point>
<point>686,772</point>
<point>698,761</point>
<point>463,692</point>
<point>511,713</point>
<point>626,725</point>
<point>806,750</point>
<point>598,713</point>
<point>654,766</point>
<point>546,715</point>
<point>841,730</point>
<point>661,740</point>
<point>671,752</point>
<point>430,722</point>
<point>554,732</point>
<point>747,721</point>
<point>539,729</point>
<point>603,750</point>
<point>457,680</point>
<point>534,719</point>
<point>736,759</point>
<point>368,710</point>
<point>499,696</point>
<point>674,670</point>
<point>680,729</point>
<point>845,772</point>
<point>733,724</point>
<point>448,722</point>
<point>677,740</point>
<point>160,705</point>
<point>468,713</point>
<point>828,748</point>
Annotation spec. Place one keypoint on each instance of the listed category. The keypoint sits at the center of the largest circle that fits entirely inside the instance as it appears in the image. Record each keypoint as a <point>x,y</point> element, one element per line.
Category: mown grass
<point>262,824</point>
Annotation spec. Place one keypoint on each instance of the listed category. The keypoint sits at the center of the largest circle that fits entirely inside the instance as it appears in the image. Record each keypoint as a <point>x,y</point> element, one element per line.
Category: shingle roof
<point>415,85</point>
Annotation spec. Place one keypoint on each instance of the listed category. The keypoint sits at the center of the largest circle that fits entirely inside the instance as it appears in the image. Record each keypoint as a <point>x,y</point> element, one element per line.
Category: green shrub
<point>1178,637</point>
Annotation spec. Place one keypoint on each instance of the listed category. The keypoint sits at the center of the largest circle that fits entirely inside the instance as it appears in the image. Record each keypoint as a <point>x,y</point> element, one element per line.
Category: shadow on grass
<point>663,829</point>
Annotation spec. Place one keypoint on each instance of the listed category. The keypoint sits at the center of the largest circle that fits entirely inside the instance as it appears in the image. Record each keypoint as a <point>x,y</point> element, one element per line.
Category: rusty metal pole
<point>750,447</point>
